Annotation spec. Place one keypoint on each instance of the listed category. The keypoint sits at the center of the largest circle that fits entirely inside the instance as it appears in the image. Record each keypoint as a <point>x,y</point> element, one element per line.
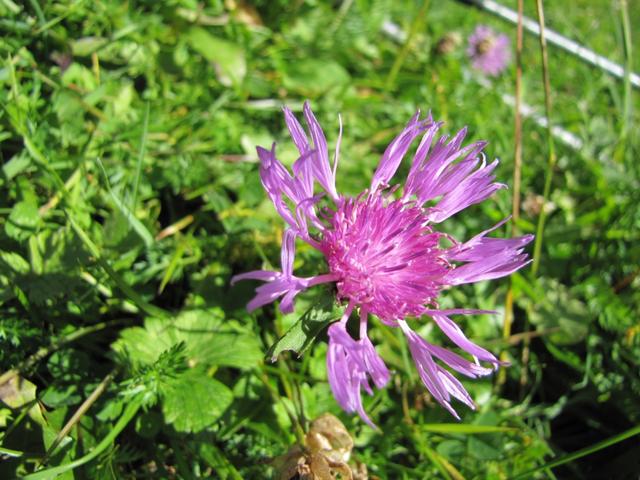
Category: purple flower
<point>384,253</point>
<point>489,52</point>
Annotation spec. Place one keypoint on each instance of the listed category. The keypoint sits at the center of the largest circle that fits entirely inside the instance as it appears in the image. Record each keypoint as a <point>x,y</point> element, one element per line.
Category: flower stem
<point>537,248</point>
<point>515,199</point>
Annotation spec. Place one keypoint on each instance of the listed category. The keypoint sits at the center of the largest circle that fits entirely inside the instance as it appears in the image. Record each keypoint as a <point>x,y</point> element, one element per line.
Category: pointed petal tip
<point>251,308</point>
<point>286,308</point>
<point>365,418</point>
<point>451,410</point>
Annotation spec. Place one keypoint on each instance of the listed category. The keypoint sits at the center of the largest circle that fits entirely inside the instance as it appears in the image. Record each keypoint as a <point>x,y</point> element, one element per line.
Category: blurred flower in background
<point>448,43</point>
<point>489,51</point>
<point>383,253</point>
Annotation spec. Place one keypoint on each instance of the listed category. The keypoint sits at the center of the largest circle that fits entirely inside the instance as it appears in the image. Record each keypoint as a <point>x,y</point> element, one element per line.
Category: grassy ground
<point>130,194</point>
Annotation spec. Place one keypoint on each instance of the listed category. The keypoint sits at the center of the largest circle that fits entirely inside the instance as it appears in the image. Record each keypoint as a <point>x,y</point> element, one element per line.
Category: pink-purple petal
<point>457,336</point>
<point>321,167</point>
<point>298,135</point>
<point>348,363</point>
<point>264,275</point>
<point>396,151</point>
<point>475,188</point>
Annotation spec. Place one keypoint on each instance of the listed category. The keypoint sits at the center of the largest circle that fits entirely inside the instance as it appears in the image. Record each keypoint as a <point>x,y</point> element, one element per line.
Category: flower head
<point>489,52</point>
<point>385,254</point>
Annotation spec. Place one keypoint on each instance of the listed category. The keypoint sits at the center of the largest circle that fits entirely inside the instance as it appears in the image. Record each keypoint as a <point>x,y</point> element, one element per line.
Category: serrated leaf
<point>301,335</point>
<point>193,401</point>
<point>208,337</point>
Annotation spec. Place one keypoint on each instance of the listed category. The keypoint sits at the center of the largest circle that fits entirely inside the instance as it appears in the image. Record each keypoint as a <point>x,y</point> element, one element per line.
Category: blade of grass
<point>173,265</point>
<point>134,296</point>
<point>51,23</point>
<point>39,13</point>
<point>418,19</point>
<point>447,470</point>
<point>75,418</point>
<point>136,225</point>
<point>583,452</point>
<point>456,428</point>
<point>143,144</point>
<point>130,411</point>
<point>222,465</point>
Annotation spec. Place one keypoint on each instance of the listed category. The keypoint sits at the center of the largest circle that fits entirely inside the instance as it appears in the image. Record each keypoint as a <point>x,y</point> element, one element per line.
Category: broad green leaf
<point>11,262</point>
<point>228,58</point>
<point>301,335</point>
<point>16,165</point>
<point>85,46</point>
<point>23,221</point>
<point>193,401</point>
<point>208,337</point>
<point>482,450</point>
<point>312,77</point>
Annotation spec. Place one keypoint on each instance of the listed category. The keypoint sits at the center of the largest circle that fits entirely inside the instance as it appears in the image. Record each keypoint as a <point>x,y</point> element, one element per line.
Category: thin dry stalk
<point>517,175</point>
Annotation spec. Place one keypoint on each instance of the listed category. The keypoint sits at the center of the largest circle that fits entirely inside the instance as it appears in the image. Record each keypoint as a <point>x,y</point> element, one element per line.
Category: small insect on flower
<point>489,52</point>
<point>385,254</point>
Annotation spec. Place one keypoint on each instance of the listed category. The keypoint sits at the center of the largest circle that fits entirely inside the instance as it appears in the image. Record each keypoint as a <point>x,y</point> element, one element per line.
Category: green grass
<point>130,194</point>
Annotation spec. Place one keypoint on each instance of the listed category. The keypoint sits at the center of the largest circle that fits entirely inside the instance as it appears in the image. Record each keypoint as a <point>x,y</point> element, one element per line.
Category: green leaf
<point>562,314</point>
<point>16,165</point>
<point>23,221</point>
<point>209,339</point>
<point>11,262</point>
<point>483,450</point>
<point>313,77</point>
<point>229,60</point>
<point>193,401</point>
<point>301,335</point>
<point>85,46</point>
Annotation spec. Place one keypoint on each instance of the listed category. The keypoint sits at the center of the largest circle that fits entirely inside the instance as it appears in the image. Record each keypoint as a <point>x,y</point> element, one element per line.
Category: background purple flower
<point>385,254</point>
<point>489,51</point>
